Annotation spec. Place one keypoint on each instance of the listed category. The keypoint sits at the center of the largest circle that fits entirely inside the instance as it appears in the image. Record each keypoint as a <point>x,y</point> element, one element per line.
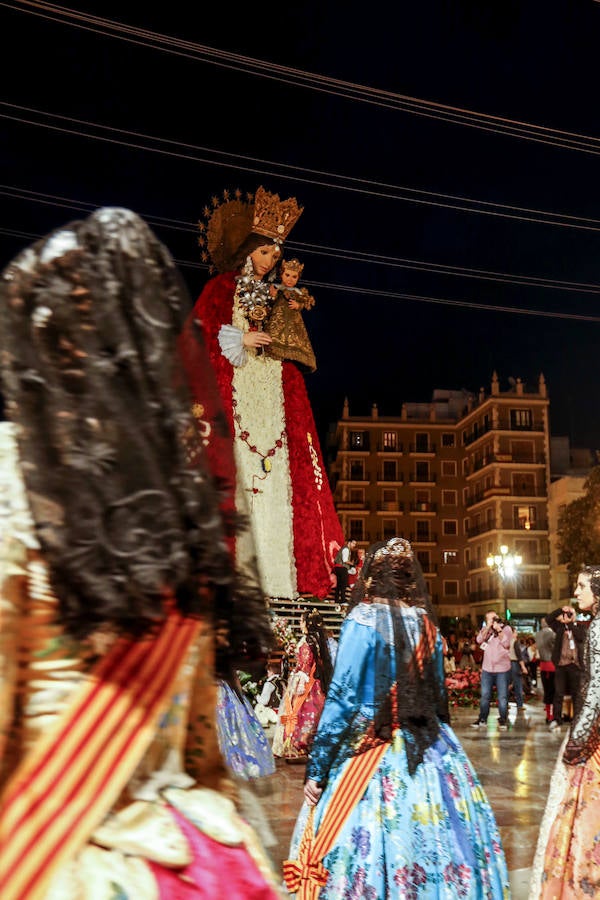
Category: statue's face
<point>264,258</point>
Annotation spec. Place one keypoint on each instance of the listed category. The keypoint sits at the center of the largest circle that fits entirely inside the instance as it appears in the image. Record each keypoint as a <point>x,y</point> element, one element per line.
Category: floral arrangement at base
<point>464,687</point>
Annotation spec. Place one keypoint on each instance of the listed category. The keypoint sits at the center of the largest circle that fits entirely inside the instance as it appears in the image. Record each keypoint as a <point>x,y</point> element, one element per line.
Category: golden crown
<point>273,217</point>
<point>293,264</point>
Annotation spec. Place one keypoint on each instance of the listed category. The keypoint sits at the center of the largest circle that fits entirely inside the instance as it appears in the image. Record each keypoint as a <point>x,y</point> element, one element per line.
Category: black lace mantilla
<point>89,318</point>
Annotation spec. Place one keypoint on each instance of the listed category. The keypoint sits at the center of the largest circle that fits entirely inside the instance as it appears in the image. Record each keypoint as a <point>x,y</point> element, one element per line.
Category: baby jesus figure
<point>285,324</point>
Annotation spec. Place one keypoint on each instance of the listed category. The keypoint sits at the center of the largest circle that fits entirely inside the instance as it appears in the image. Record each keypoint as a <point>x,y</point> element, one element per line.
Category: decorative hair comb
<point>396,547</point>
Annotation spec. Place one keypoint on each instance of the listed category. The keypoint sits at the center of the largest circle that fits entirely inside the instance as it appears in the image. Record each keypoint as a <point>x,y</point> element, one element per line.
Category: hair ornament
<point>396,547</point>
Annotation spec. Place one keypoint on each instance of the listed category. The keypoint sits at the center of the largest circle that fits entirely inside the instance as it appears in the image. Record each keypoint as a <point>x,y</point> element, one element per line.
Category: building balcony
<point>416,478</point>
<point>426,449</point>
<point>423,507</point>
<point>422,538</point>
<point>390,477</point>
<point>528,559</point>
<point>502,491</point>
<point>520,459</point>
<point>387,449</point>
<point>503,425</point>
<point>512,595</point>
<point>508,525</point>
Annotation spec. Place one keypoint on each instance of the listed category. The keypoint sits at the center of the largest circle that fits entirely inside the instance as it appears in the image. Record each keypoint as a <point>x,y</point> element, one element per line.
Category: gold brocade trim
<point>290,338</point>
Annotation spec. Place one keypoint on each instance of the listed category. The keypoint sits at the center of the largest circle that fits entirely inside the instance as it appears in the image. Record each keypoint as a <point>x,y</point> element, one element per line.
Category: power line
<point>335,252</point>
<point>393,295</point>
<point>367,187</point>
<point>416,106</point>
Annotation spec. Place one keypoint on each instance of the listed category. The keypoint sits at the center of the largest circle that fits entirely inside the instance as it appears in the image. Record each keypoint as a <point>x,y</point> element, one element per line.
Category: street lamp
<point>505,565</point>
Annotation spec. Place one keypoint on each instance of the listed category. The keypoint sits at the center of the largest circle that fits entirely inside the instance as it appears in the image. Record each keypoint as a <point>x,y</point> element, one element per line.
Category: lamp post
<point>505,565</point>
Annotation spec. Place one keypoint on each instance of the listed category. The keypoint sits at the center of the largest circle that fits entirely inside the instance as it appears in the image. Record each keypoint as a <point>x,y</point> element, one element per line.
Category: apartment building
<point>460,477</point>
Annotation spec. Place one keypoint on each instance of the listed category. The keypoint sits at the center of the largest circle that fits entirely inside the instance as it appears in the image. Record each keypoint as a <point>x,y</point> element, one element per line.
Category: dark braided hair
<point>317,639</point>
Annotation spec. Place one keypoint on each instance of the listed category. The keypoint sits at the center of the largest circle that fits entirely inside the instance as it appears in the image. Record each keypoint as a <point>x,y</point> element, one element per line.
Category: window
<point>450,557</point>
<point>465,466</point>
<point>389,495</point>
<point>359,440</point>
<point>449,526</point>
<point>422,529</point>
<point>424,560</point>
<point>449,468</point>
<point>390,470</point>
<point>422,501</point>
<point>528,585</point>
<point>422,471</point>
<point>357,529</point>
<point>522,451</point>
<point>357,470</point>
<point>450,588</point>
<point>449,498</point>
<point>447,439</point>
<point>357,495</point>
<point>390,441</point>
<point>389,529</point>
<point>523,484</point>
<point>524,517</point>
<point>520,418</point>
<point>422,442</point>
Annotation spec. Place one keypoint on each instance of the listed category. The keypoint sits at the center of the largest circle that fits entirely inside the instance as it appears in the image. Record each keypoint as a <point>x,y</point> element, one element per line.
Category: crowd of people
<point>141,475</point>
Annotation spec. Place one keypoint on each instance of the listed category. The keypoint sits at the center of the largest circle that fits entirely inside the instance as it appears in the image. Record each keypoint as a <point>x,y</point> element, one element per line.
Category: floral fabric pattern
<point>431,834</point>
<point>300,708</point>
<point>242,738</point>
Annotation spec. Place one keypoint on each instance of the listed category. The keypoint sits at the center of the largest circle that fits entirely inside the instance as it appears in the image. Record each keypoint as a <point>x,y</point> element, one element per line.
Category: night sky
<point>393,193</point>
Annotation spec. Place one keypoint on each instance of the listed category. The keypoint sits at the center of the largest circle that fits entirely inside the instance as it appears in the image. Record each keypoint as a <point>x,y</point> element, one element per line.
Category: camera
<point>497,621</point>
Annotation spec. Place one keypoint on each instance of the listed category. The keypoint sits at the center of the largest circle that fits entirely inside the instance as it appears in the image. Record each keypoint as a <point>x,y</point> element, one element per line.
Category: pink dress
<point>300,709</point>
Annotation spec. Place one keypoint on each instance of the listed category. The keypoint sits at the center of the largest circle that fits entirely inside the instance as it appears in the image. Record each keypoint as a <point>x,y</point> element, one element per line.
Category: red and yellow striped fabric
<point>307,875</point>
<point>425,647</point>
<point>67,784</point>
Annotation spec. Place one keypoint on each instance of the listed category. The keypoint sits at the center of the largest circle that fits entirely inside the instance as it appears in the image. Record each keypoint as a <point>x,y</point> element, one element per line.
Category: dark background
<point>225,128</point>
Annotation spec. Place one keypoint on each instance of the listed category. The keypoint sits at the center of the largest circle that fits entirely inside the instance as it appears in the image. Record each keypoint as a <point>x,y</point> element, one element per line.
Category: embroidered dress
<point>281,477</point>
<point>567,860</point>
<point>300,709</point>
<point>242,738</point>
<point>430,834</point>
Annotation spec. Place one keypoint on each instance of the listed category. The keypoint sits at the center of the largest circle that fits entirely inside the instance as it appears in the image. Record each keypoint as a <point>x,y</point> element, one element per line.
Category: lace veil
<point>125,502</point>
<point>409,689</point>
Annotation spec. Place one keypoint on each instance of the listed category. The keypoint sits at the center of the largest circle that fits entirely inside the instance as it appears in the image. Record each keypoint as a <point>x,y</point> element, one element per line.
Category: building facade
<point>459,477</point>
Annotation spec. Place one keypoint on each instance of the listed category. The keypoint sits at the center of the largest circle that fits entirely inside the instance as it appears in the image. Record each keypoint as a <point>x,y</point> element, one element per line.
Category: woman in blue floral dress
<point>393,807</point>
